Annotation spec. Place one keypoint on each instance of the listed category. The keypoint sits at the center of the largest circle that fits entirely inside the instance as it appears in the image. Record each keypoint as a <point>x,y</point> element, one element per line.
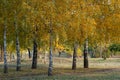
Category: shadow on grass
<point>60,74</point>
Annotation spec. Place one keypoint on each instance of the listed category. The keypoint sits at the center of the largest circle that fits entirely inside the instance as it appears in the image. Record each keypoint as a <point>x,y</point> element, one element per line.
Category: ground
<point>99,69</point>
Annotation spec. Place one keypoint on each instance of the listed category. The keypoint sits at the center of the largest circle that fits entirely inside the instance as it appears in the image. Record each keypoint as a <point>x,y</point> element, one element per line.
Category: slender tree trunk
<point>45,55</point>
<point>18,67</point>
<point>34,61</point>
<point>29,53</point>
<point>1,53</point>
<point>105,53</point>
<point>10,56</point>
<point>5,50</point>
<point>60,53</point>
<point>101,51</point>
<point>50,53</point>
<point>74,56</point>
<point>94,52</point>
<point>86,54</point>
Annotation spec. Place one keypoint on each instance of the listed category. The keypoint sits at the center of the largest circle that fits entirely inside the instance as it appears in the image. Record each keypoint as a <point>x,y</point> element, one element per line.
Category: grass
<point>63,74</point>
<point>62,70</point>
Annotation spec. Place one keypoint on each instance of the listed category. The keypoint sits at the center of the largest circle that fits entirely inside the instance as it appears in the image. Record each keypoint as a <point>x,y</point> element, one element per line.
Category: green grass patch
<point>99,70</point>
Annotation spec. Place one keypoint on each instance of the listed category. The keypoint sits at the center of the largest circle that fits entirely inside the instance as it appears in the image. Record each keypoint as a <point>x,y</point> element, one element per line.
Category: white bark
<point>18,67</point>
<point>5,50</point>
<point>4,36</point>
<point>50,54</point>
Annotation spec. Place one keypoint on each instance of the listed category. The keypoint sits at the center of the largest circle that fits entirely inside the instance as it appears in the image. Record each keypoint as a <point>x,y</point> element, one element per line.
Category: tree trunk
<point>18,67</point>
<point>29,54</point>
<point>5,50</point>
<point>34,61</point>
<point>45,54</point>
<point>105,53</point>
<point>59,53</point>
<point>10,56</point>
<point>101,51</point>
<point>74,57</point>
<point>86,54</point>
<point>1,53</point>
<point>50,53</point>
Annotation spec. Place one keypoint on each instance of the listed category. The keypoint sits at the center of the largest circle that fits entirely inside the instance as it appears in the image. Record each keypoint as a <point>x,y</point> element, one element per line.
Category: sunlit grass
<point>99,69</point>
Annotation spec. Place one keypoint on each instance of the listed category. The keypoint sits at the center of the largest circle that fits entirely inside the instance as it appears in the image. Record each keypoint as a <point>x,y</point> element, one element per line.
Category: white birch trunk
<point>50,54</point>
<point>5,50</point>
<point>4,38</point>
<point>18,67</point>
